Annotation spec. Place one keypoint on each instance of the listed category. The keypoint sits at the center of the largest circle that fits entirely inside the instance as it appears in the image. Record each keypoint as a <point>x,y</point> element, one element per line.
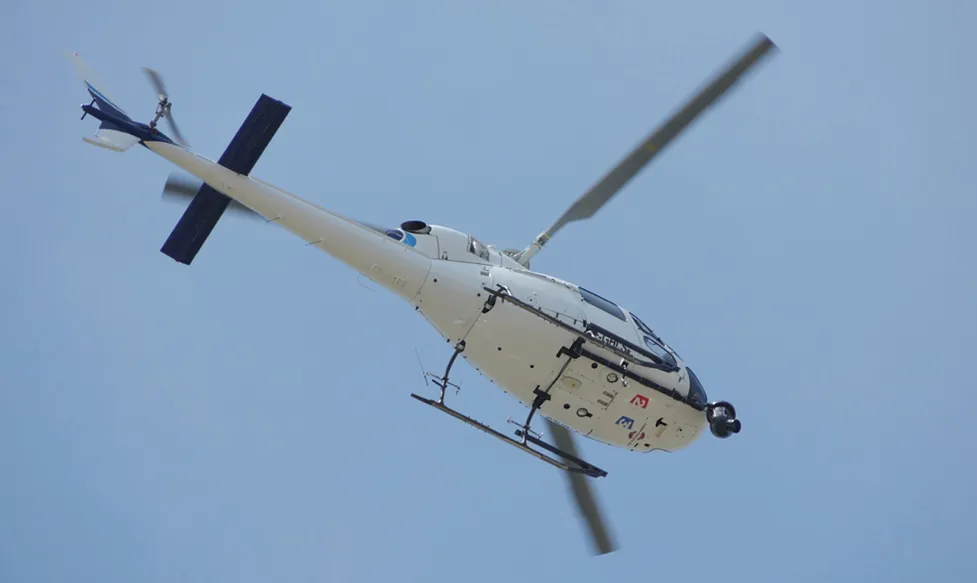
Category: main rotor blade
<point>183,189</point>
<point>582,493</point>
<point>157,82</point>
<point>602,192</point>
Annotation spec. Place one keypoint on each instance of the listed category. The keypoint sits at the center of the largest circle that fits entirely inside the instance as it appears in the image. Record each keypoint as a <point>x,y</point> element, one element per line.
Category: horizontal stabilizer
<point>241,155</point>
<point>112,139</point>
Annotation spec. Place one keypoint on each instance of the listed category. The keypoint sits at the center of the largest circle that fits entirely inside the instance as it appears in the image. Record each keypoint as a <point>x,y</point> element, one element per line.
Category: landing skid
<point>572,464</point>
<point>568,462</point>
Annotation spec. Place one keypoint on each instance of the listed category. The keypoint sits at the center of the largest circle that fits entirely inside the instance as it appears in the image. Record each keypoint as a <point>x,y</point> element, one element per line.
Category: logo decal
<point>625,421</point>
<point>640,401</point>
<point>403,237</point>
<point>639,438</point>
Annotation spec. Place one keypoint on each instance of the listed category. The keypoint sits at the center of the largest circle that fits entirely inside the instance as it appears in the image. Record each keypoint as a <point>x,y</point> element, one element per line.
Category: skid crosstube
<point>572,463</point>
<point>241,155</point>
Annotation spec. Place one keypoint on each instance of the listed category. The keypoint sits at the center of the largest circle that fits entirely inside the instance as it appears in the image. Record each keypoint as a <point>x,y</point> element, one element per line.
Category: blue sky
<point>808,247</point>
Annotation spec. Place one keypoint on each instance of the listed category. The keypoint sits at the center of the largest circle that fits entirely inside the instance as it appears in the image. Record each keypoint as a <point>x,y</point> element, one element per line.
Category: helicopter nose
<point>722,419</point>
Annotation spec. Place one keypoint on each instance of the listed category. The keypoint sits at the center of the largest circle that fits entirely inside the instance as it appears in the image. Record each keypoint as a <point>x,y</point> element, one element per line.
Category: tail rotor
<point>164,107</point>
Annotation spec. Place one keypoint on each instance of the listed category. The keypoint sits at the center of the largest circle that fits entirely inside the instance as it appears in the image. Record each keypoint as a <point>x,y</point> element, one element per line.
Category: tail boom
<point>399,268</point>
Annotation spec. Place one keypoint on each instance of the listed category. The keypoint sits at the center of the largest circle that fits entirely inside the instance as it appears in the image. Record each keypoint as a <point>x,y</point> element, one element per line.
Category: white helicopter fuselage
<point>447,276</point>
<point>520,352</point>
<point>586,364</point>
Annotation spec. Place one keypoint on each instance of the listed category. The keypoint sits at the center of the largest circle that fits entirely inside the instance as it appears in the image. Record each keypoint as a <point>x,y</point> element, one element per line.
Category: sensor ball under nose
<point>722,419</point>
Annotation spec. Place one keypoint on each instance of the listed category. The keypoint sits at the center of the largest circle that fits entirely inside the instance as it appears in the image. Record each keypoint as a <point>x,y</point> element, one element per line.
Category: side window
<point>659,351</point>
<point>602,303</point>
<point>476,247</point>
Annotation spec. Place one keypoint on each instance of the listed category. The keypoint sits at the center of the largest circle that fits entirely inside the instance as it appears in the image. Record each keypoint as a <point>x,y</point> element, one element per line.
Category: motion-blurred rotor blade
<point>583,494</point>
<point>157,83</point>
<point>374,226</point>
<point>176,130</point>
<point>183,189</point>
<point>602,192</point>
<point>177,185</point>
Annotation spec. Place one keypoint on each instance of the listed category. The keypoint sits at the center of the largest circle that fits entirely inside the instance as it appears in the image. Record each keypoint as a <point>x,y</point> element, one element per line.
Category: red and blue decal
<point>625,421</point>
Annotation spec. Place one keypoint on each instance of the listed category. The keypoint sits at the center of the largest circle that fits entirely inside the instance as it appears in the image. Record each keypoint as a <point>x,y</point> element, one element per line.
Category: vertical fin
<point>94,86</point>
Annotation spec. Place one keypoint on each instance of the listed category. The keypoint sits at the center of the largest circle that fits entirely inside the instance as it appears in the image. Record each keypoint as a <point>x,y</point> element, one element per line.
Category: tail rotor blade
<point>156,80</point>
<point>176,131</point>
<point>157,83</point>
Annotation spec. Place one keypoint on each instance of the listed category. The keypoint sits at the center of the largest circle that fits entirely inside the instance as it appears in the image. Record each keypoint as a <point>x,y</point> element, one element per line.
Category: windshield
<point>696,391</point>
<point>653,343</point>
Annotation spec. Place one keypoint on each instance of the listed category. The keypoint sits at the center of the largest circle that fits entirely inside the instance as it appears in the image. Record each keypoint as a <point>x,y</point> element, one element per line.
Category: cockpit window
<point>654,343</point>
<point>476,247</point>
<point>642,326</point>
<point>602,303</point>
<point>696,391</point>
<point>660,351</point>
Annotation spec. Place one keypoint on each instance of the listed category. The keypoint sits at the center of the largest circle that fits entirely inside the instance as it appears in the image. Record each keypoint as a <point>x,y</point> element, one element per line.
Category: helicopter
<point>583,363</point>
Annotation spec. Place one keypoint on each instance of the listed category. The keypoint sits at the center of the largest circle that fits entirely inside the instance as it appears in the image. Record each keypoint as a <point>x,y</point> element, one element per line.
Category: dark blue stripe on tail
<point>105,104</point>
